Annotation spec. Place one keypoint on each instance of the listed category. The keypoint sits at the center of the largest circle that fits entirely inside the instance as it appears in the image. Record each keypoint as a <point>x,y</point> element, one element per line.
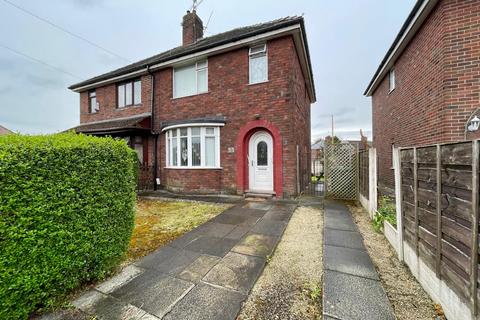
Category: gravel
<point>408,299</point>
<point>290,285</point>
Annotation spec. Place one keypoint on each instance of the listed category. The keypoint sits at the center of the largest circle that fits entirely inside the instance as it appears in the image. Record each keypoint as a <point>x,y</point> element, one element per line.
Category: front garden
<point>67,217</point>
<point>158,222</point>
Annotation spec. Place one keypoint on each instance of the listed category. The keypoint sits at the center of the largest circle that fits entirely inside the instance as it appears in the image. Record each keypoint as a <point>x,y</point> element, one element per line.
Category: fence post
<point>415,196</point>
<point>357,168</point>
<point>298,170</point>
<point>439,212</point>
<point>325,170</point>
<point>397,165</point>
<point>372,176</point>
<point>474,256</point>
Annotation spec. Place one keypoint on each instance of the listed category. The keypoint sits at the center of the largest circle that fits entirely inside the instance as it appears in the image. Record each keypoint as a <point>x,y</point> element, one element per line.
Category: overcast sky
<point>347,39</point>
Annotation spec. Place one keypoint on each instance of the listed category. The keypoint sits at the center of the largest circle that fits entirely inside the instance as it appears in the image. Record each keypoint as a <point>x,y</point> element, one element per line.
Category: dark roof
<point>202,44</point>
<point>196,120</point>
<point>399,36</point>
<point>135,123</point>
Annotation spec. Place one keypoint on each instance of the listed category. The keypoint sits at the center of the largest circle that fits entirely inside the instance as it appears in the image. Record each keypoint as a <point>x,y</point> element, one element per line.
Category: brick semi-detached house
<point>427,88</point>
<point>228,113</point>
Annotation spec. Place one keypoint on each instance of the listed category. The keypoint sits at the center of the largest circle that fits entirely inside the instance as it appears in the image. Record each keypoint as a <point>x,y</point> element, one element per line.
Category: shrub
<point>66,215</point>
<point>385,212</point>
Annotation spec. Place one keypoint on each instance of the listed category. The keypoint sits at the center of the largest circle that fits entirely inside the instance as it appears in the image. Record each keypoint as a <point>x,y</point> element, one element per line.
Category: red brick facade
<point>280,106</point>
<point>437,85</point>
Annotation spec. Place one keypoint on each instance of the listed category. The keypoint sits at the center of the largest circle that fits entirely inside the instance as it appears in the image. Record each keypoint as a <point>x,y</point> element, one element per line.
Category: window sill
<point>254,84</point>
<point>191,95</point>
<point>129,107</point>
<point>193,168</point>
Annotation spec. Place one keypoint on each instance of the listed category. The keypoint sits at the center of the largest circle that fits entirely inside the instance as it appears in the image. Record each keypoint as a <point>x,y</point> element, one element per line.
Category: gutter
<point>217,47</point>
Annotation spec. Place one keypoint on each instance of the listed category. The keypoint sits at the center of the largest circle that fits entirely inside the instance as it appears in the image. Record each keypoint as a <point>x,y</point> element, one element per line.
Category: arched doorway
<point>260,162</point>
<point>242,152</point>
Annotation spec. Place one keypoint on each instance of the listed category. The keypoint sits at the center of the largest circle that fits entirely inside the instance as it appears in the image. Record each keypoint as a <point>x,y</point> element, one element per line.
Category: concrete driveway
<point>205,274</point>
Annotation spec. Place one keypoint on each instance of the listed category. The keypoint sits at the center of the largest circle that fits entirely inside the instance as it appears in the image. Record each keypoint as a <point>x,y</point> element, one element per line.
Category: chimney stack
<point>192,28</point>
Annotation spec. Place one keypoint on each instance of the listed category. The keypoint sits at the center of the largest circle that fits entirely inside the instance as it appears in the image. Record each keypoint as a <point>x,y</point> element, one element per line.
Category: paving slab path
<point>205,274</point>
<point>351,287</point>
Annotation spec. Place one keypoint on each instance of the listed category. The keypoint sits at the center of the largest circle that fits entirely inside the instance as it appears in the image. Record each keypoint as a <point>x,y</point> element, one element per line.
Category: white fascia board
<point>412,29</point>
<point>195,56</point>
<point>194,124</point>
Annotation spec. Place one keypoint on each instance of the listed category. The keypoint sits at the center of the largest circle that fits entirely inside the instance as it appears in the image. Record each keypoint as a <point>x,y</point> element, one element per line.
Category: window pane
<point>195,131</point>
<point>174,132</point>
<point>201,64</point>
<point>258,69</point>
<point>137,92</point>
<point>121,96</point>
<point>139,149</point>
<point>128,94</point>
<point>93,105</point>
<point>174,152</point>
<point>210,131</point>
<point>202,81</point>
<point>258,49</point>
<point>183,152</point>
<point>169,150</point>
<point>195,151</point>
<point>262,154</point>
<point>184,81</point>
<point>183,132</point>
<point>210,151</point>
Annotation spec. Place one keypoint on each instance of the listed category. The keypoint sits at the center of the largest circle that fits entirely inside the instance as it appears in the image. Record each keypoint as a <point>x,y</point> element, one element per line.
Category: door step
<point>258,195</point>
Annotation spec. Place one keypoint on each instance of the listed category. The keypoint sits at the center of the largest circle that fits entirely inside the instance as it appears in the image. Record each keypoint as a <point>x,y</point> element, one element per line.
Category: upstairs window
<point>391,80</point>
<point>92,101</point>
<point>191,79</point>
<point>258,65</point>
<point>193,147</point>
<point>129,93</point>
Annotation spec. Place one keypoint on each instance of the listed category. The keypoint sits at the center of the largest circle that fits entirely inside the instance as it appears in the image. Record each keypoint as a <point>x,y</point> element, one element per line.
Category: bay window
<point>191,79</point>
<point>193,147</point>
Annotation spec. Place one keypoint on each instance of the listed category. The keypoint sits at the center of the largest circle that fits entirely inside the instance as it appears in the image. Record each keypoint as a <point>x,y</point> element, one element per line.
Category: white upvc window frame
<point>198,66</point>
<point>391,80</point>
<point>255,52</point>
<point>203,135</point>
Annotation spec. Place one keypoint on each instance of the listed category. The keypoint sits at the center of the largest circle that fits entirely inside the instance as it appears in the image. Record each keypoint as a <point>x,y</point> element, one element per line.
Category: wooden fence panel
<point>440,214</point>
<point>363,173</point>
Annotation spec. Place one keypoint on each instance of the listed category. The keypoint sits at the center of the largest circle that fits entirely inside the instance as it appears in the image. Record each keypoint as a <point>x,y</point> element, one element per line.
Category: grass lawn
<point>158,222</point>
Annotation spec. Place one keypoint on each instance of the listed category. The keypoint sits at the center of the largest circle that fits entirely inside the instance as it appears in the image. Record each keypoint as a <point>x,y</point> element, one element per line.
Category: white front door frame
<point>260,169</point>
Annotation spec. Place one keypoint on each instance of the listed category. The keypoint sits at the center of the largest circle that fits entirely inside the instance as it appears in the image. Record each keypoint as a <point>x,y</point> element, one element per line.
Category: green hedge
<point>66,215</point>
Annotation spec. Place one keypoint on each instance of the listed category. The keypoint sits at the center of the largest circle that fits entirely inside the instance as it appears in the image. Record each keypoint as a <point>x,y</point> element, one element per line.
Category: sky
<point>347,40</point>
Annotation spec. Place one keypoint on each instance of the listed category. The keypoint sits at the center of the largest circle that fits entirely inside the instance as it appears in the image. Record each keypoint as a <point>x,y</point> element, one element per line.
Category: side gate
<point>341,171</point>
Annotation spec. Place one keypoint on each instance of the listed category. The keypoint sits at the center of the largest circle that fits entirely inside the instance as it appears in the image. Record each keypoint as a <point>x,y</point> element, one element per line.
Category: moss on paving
<point>159,222</point>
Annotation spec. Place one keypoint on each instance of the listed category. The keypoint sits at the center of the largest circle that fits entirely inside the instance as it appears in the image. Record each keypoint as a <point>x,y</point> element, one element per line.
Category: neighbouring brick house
<point>426,89</point>
<point>222,114</point>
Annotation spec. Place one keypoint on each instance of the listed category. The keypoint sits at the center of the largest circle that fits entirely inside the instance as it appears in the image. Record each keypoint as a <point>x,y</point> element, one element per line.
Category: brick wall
<point>437,85</point>
<point>107,99</point>
<point>462,66</point>
<point>231,96</point>
<point>282,101</point>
